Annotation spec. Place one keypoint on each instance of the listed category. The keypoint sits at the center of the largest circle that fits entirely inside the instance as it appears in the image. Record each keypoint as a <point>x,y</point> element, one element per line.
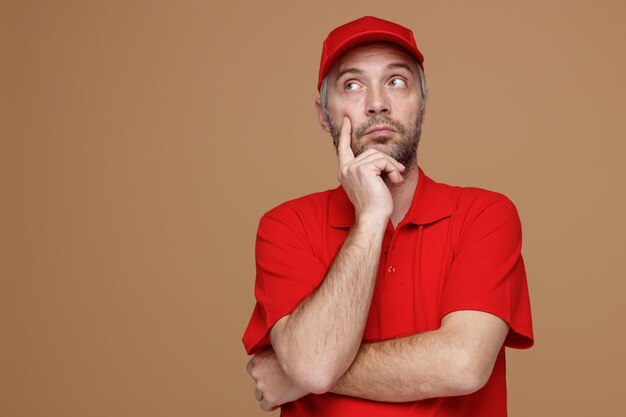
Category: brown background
<point>141,142</point>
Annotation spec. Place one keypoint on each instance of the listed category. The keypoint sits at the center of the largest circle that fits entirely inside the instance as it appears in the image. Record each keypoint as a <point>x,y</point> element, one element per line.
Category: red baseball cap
<point>364,30</point>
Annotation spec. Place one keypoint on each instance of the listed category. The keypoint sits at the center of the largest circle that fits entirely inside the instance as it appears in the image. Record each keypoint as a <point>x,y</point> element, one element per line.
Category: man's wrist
<point>371,221</point>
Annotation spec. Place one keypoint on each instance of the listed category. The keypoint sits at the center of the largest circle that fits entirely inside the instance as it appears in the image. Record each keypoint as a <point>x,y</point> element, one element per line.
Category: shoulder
<point>297,223</point>
<point>466,200</point>
<point>474,205</point>
<point>301,212</point>
<point>481,212</point>
<point>475,200</point>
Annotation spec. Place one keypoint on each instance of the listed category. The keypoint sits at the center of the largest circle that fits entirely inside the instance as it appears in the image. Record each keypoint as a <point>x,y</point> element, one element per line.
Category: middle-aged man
<point>391,295</point>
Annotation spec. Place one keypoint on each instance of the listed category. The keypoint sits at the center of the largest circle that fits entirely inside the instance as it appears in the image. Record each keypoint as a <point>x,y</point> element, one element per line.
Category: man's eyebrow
<point>396,65</point>
<point>349,71</point>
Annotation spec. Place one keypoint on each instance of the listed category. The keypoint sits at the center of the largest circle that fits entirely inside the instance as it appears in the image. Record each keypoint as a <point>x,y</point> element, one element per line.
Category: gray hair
<point>324,93</point>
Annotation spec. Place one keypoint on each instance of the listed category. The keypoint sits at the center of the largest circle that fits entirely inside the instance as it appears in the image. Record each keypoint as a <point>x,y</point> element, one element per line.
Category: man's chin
<point>380,146</point>
<point>405,155</point>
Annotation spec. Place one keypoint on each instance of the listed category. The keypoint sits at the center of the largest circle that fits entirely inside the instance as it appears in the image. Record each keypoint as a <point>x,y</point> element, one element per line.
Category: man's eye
<point>351,86</point>
<point>397,82</point>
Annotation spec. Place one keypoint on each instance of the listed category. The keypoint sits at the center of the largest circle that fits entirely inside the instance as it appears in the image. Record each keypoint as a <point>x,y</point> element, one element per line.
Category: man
<point>391,295</point>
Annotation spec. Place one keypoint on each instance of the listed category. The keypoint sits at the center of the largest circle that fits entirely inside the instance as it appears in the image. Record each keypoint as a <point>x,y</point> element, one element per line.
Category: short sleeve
<point>487,273</point>
<point>287,272</point>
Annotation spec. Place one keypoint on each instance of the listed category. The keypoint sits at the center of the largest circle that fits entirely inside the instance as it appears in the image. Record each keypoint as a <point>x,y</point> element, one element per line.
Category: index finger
<point>344,151</point>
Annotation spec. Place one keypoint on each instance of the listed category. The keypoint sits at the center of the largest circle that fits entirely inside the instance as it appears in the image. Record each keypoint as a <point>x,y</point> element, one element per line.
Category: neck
<point>402,194</point>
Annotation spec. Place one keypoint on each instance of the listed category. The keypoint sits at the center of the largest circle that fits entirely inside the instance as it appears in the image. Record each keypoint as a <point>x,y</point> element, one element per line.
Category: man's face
<point>377,86</point>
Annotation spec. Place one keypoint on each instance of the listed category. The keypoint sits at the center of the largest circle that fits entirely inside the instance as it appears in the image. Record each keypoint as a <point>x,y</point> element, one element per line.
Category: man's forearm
<point>454,360</point>
<point>319,340</point>
<point>406,369</point>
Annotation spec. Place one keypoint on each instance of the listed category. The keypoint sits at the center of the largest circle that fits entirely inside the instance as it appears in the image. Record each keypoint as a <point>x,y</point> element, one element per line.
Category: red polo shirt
<point>458,248</point>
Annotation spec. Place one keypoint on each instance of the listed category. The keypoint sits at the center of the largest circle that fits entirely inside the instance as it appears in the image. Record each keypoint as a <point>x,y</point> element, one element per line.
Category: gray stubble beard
<point>405,151</point>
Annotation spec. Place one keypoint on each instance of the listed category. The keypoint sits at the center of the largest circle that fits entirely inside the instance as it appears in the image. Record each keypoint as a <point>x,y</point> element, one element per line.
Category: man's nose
<point>377,101</point>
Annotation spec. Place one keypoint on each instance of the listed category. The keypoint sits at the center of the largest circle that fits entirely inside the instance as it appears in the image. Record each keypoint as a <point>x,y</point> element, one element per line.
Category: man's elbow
<point>315,372</point>
<point>470,375</point>
<point>318,383</point>
<point>312,378</point>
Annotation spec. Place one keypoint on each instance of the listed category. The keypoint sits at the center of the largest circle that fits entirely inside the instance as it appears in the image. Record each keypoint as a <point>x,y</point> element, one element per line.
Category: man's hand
<point>273,387</point>
<point>361,176</point>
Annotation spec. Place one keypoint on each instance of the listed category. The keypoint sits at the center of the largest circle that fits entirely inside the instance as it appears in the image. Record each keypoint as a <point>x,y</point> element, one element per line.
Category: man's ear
<point>320,115</point>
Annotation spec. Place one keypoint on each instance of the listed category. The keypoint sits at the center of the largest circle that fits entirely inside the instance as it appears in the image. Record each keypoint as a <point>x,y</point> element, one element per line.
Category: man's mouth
<point>381,130</point>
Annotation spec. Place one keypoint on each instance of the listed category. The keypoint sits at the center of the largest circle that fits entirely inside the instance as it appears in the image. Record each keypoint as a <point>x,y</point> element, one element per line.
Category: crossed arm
<point>456,359</point>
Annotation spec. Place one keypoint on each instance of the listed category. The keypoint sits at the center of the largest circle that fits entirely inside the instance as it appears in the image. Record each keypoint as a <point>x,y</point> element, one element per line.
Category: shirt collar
<point>431,202</point>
